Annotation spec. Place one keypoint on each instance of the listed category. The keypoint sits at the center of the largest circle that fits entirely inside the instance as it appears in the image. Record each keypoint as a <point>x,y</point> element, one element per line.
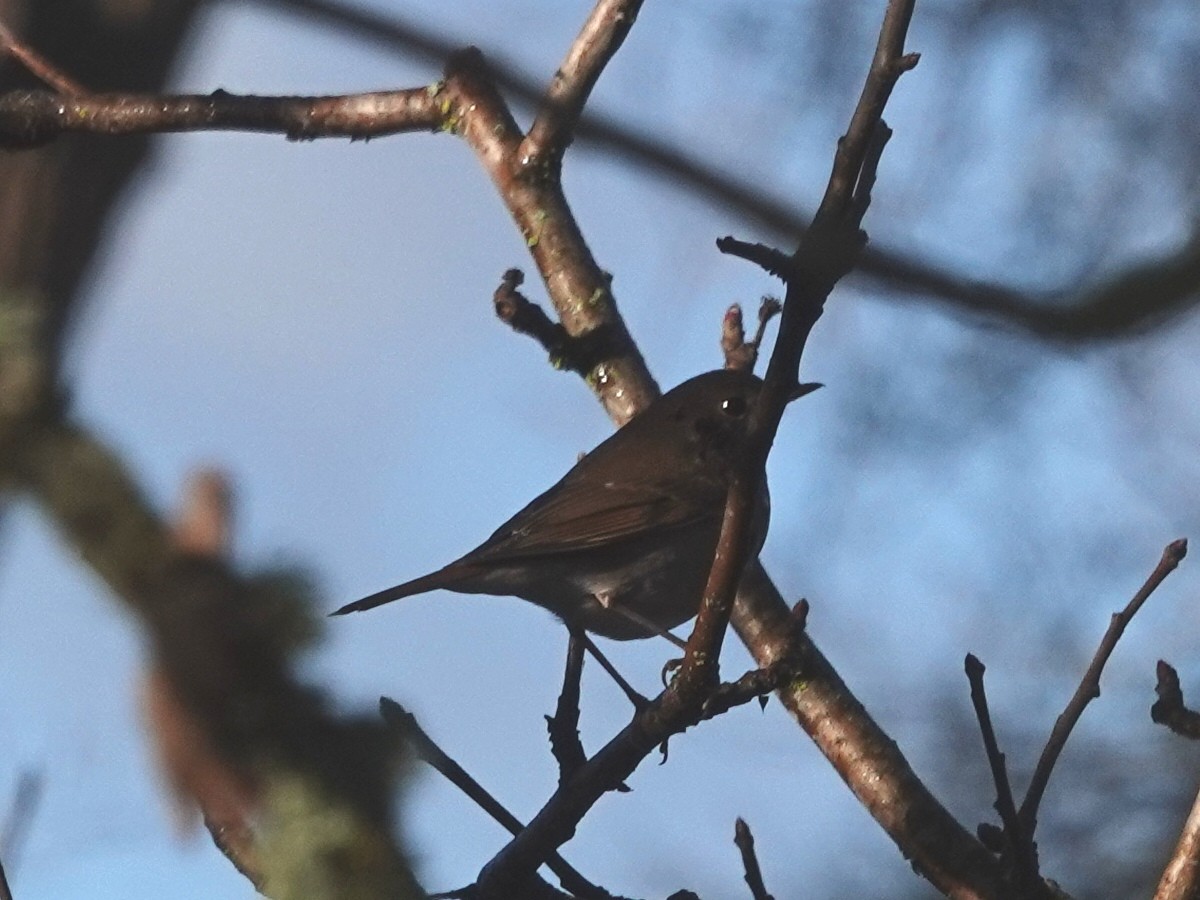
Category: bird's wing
<point>580,514</point>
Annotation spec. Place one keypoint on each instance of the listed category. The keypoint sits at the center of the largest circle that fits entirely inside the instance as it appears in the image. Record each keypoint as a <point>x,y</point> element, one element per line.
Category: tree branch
<point>1089,685</point>
<point>1181,876</point>
<point>1021,851</point>
<point>322,784</point>
<point>405,724</point>
<point>599,39</point>
<point>1142,297</point>
<point>29,118</point>
<point>744,841</point>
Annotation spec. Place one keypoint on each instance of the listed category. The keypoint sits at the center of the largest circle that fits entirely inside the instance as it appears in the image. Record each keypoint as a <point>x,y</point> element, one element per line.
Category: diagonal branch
<point>406,725</point>
<point>37,64</point>
<point>1089,685</point>
<point>1181,876</point>
<point>599,39</point>
<point>322,782</point>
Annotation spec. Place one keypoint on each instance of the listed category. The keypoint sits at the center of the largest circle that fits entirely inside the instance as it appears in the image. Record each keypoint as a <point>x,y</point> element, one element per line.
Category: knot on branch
<point>741,354</point>
<point>1169,709</point>
<point>573,353</point>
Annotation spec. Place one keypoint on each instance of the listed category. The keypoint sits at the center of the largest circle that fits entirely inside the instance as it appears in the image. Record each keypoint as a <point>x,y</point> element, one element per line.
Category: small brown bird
<point>623,544</point>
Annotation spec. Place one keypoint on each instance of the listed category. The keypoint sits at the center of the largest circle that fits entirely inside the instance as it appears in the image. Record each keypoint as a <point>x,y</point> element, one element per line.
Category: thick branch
<point>580,291</point>
<point>1181,877</point>
<point>224,642</point>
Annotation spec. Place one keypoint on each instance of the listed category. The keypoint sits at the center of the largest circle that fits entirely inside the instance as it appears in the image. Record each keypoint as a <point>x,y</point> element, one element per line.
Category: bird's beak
<point>801,390</point>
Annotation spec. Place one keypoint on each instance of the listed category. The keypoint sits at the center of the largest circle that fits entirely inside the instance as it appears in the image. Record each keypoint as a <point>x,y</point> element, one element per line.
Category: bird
<point>622,545</point>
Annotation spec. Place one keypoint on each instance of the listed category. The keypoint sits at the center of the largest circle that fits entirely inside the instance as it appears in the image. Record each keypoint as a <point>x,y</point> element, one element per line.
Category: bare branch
<point>600,38</point>
<point>405,724</point>
<point>223,643</point>
<point>667,715</point>
<point>1143,297</point>
<point>1020,849</point>
<point>1181,876</point>
<point>38,65</point>
<point>741,353</point>
<point>29,118</point>
<point>580,291</point>
<point>524,316</point>
<point>1169,709</point>
<point>744,841</point>
<point>1089,686</point>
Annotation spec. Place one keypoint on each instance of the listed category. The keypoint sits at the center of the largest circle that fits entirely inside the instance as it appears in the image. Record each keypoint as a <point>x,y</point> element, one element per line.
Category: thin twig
<point>627,689</point>
<point>1021,848</point>
<point>740,353</point>
<point>38,65</point>
<point>524,316</point>
<point>1089,686</point>
<point>406,725</point>
<point>744,841</point>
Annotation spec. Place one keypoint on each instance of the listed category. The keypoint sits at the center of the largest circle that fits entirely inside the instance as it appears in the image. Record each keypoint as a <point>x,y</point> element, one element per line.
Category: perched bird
<point>623,544</point>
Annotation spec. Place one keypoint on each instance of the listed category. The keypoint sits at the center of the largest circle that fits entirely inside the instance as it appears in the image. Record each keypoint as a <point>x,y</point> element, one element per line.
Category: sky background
<point>316,320</point>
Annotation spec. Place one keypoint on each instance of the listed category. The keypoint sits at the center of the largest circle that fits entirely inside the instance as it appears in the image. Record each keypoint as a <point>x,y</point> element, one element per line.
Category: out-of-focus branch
<point>744,841</point>
<point>321,784</point>
<point>30,786</point>
<point>37,64</point>
<point>1137,299</point>
<point>1089,685</point>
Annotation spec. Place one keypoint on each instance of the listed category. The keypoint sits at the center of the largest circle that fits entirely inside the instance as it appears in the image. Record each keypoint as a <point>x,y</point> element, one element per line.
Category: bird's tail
<point>442,578</point>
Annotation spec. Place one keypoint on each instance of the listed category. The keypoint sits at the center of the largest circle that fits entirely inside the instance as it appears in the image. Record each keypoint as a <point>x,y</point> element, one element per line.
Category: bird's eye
<point>734,407</point>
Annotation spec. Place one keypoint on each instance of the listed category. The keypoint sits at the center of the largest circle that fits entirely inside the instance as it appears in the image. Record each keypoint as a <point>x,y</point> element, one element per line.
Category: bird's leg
<point>563,726</point>
<point>612,605</point>
<point>639,702</point>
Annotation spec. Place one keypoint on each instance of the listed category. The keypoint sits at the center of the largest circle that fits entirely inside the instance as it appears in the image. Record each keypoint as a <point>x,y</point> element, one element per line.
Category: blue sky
<point>315,318</point>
